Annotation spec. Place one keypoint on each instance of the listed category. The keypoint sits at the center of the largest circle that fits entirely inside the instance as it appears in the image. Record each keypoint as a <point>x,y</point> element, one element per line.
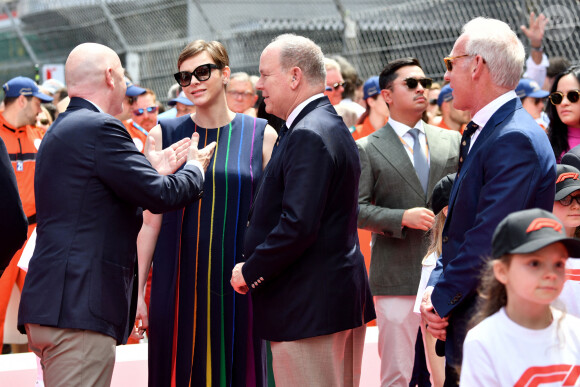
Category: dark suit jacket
<point>13,223</point>
<point>510,167</point>
<point>90,185</point>
<point>388,187</point>
<point>303,264</point>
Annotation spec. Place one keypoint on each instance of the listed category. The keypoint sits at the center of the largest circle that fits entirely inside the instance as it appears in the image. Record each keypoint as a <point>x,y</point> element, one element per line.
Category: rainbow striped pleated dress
<point>200,330</point>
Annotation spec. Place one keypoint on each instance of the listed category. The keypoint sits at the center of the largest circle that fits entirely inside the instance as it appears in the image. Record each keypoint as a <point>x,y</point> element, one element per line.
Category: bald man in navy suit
<point>91,186</point>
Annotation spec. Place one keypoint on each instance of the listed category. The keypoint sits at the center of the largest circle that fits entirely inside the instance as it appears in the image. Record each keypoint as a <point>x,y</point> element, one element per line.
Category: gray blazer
<point>389,186</point>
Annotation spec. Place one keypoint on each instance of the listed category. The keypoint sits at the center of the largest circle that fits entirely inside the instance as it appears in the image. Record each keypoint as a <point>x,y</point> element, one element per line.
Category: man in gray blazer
<point>401,163</point>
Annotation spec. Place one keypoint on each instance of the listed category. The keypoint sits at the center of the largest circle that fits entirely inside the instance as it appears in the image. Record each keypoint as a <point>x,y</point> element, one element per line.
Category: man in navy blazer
<point>506,165</point>
<point>91,184</point>
<point>303,265</point>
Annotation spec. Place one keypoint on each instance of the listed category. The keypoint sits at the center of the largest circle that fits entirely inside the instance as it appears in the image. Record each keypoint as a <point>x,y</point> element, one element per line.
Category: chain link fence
<point>149,34</point>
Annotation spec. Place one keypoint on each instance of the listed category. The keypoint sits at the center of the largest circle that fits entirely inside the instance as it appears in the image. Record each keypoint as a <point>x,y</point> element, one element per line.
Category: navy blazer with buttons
<point>91,184</point>
<point>303,266</point>
<point>510,167</point>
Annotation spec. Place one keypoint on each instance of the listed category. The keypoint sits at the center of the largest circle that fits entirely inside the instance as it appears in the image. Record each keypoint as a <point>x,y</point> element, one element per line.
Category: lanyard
<point>137,126</point>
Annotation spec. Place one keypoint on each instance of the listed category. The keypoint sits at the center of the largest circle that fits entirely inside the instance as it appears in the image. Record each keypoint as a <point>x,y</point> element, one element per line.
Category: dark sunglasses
<point>449,61</point>
<point>43,121</point>
<point>557,97</point>
<point>433,101</point>
<point>140,112</point>
<point>201,73</point>
<point>412,83</point>
<point>568,200</point>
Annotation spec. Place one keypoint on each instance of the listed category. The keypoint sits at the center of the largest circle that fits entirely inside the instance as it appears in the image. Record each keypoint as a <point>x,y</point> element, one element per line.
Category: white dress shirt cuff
<point>191,164</point>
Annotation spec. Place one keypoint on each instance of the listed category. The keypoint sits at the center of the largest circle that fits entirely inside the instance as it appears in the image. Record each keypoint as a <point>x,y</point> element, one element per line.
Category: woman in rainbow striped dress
<point>200,330</point>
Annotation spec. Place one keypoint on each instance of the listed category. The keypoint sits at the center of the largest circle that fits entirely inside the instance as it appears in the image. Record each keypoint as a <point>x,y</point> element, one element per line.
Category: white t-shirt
<point>570,296</point>
<point>499,352</point>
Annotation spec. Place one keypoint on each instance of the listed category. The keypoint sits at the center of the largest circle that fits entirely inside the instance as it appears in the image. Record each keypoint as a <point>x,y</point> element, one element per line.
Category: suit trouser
<point>333,360</point>
<point>73,357</point>
<point>398,327</point>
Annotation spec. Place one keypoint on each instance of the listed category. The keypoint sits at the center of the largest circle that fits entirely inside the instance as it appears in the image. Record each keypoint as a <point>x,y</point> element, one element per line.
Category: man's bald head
<point>94,72</point>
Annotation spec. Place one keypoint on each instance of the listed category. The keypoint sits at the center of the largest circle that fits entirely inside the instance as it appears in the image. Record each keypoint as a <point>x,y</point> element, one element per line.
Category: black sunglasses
<point>557,97</point>
<point>568,200</point>
<point>201,73</point>
<point>140,112</point>
<point>433,101</point>
<point>412,83</point>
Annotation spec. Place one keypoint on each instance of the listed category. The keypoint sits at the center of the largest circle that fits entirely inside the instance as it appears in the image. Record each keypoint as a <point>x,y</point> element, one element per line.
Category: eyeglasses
<point>433,101</point>
<point>201,73</point>
<point>43,121</point>
<point>240,94</point>
<point>140,112</point>
<point>557,97</point>
<point>412,83</point>
<point>568,200</point>
<point>335,86</point>
<point>449,60</point>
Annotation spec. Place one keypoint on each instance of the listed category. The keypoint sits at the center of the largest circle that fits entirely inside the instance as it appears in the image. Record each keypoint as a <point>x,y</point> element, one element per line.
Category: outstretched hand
<point>535,31</point>
<point>168,160</point>
<point>202,155</point>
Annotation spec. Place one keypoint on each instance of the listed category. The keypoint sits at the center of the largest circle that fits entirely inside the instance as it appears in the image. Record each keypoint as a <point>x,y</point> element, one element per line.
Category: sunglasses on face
<point>433,101</point>
<point>449,60</point>
<point>557,97</point>
<point>569,199</point>
<point>43,121</point>
<point>335,86</point>
<point>140,112</point>
<point>201,73</point>
<point>412,83</point>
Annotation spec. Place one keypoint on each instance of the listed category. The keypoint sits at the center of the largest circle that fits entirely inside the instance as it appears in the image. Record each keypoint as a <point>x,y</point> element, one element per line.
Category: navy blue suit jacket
<point>91,184</point>
<point>304,267</point>
<point>510,167</point>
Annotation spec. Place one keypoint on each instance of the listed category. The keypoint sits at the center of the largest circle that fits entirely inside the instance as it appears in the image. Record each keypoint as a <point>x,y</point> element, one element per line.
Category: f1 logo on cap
<point>567,175</point>
<point>539,223</point>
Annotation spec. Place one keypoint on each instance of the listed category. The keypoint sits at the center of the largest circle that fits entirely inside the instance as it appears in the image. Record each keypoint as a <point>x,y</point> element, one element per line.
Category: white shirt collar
<point>299,108</point>
<point>483,115</point>
<point>402,129</point>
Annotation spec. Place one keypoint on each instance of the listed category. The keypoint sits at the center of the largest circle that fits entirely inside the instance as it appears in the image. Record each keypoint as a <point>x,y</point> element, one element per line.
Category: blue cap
<point>530,88</point>
<point>371,87</point>
<point>132,90</point>
<point>181,98</point>
<point>445,95</point>
<point>24,86</point>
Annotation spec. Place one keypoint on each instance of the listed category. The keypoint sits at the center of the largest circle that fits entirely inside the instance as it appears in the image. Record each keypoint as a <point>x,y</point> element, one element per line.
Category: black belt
<point>32,219</point>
